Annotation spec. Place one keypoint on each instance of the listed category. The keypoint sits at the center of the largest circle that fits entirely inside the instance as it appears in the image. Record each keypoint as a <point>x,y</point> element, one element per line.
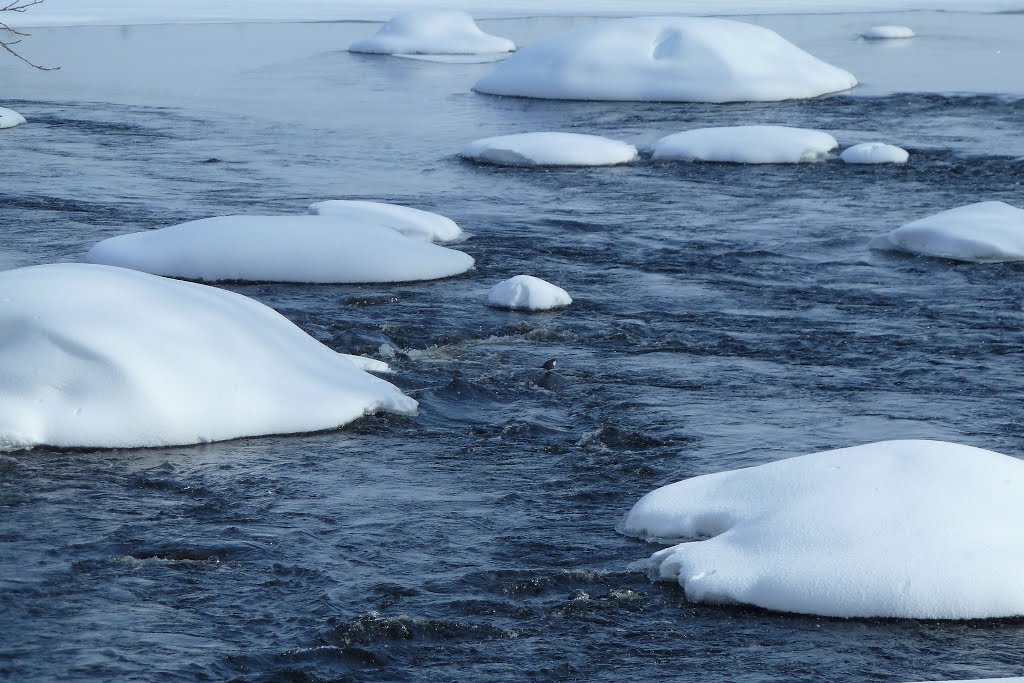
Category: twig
<point>6,45</point>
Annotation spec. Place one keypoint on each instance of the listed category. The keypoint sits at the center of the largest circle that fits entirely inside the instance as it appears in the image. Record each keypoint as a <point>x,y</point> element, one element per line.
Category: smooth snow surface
<point>421,225</point>
<point>673,59</point>
<point>103,357</point>
<point>525,292</point>
<point>281,249</point>
<point>875,153</point>
<point>550,149</point>
<point>746,145</point>
<point>888,32</point>
<point>432,32</point>
<point>906,529</point>
<point>10,118</point>
<point>986,231</point>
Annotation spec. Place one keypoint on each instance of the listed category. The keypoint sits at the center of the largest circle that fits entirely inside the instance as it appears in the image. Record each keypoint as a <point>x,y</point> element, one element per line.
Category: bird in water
<point>551,380</point>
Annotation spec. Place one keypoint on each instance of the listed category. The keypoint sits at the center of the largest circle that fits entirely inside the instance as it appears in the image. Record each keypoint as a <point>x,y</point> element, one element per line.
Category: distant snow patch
<point>415,223</point>
<point>904,529</point>
<point>888,32</point>
<point>485,58</point>
<point>746,145</point>
<point>986,231</point>
<point>550,149</point>
<point>10,118</point>
<point>281,249</point>
<point>671,59</point>
<point>875,153</point>
<point>102,357</point>
<point>525,292</point>
<point>432,32</point>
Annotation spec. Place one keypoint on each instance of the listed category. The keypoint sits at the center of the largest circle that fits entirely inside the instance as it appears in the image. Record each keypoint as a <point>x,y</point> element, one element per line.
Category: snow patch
<point>672,59</point>
<point>104,357</point>
<point>746,145</point>
<point>875,153</point>
<point>888,32</point>
<point>905,529</point>
<point>550,149</point>
<point>421,225</point>
<point>525,292</point>
<point>10,118</point>
<point>986,231</point>
<point>281,249</point>
<point>432,32</point>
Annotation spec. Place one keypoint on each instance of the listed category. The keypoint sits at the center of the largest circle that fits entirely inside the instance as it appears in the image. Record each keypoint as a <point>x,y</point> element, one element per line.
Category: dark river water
<point>724,316</point>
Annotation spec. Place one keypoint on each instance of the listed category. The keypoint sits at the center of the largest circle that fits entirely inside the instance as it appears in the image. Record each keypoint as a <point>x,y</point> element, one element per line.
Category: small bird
<point>551,380</point>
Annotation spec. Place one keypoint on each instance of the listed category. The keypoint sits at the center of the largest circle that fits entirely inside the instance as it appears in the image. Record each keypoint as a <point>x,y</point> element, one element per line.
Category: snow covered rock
<point>103,357</point>
<point>875,153</point>
<point>281,249</point>
<point>888,32</point>
<point>550,149</point>
<point>906,529</point>
<point>746,145</point>
<point>986,231</point>
<point>421,225</point>
<point>525,292</point>
<point>10,118</point>
<point>432,32</point>
<point>669,59</point>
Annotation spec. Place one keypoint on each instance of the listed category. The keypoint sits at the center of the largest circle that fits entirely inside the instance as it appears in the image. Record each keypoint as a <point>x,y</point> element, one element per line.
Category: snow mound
<point>525,292</point>
<point>888,32</point>
<point>550,149</point>
<point>875,153</point>
<point>668,59</point>
<point>281,249</point>
<point>484,58</point>
<point>103,357</point>
<point>986,231</point>
<point>421,225</point>
<point>10,118</point>
<point>432,32</point>
<point>905,529</point>
<point>746,145</point>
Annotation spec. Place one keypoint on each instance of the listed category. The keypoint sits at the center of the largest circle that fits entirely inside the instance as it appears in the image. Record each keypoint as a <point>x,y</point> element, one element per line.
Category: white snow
<point>675,59</point>
<point>888,32</point>
<point>525,292</point>
<point>10,118</point>
<point>906,529</point>
<point>874,153</point>
<point>986,231</point>
<point>126,12</point>
<point>746,145</point>
<point>95,356</point>
<point>550,149</point>
<point>415,223</point>
<point>432,32</point>
<point>281,249</point>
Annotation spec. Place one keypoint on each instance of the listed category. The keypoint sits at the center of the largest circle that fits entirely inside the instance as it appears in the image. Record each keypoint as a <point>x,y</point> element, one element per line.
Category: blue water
<point>724,316</point>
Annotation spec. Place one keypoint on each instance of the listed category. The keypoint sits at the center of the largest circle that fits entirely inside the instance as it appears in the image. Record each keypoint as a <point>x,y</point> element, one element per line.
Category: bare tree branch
<point>5,30</point>
<point>20,5</point>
